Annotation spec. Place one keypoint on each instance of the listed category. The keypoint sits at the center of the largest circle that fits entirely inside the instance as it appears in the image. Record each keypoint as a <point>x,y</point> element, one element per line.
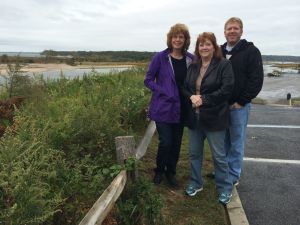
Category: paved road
<point>270,191</point>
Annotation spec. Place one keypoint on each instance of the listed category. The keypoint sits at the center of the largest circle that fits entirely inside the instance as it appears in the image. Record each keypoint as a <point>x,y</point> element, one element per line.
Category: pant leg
<point>172,158</point>
<point>164,131</point>
<point>235,140</point>
<point>216,143</point>
<point>196,143</point>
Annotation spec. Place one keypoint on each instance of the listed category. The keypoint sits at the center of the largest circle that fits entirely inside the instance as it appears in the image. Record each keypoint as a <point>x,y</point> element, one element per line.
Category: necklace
<point>204,68</point>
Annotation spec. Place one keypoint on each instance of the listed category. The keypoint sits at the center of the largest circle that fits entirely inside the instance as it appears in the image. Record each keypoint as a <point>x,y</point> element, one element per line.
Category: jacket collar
<point>212,65</point>
<point>241,45</point>
<point>167,52</point>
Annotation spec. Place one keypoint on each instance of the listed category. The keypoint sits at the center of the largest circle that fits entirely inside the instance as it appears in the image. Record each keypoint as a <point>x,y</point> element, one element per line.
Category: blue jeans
<point>170,136</point>
<point>235,140</point>
<point>216,142</point>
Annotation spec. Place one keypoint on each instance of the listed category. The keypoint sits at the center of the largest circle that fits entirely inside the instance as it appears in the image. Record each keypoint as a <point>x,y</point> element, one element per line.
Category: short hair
<point>211,37</point>
<point>176,29</point>
<point>234,19</point>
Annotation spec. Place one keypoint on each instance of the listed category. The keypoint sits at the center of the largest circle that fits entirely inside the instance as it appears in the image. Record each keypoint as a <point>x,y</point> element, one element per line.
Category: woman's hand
<point>196,100</point>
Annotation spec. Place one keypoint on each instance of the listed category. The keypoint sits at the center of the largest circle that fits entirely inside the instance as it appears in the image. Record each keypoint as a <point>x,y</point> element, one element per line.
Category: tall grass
<point>53,158</point>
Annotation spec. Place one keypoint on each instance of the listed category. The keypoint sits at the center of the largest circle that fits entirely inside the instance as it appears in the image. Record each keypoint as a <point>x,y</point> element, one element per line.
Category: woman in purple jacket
<point>165,76</point>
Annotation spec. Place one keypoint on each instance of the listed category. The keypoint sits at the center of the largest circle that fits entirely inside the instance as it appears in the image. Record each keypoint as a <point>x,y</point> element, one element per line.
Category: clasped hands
<point>196,100</point>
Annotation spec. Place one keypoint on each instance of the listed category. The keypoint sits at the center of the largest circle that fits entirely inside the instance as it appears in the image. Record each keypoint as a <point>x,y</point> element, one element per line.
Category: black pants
<point>170,136</point>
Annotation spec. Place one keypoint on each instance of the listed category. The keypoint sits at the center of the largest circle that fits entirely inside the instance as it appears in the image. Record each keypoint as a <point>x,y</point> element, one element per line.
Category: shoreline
<point>44,67</point>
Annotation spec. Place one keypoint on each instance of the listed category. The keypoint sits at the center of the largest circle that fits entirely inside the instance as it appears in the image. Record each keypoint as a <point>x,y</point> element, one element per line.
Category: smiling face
<point>233,32</point>
<point>206,49</point>
<point>177,41</point>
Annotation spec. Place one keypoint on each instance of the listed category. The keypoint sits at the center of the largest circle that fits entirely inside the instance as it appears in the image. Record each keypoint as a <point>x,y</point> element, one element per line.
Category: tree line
<point>77,57</point>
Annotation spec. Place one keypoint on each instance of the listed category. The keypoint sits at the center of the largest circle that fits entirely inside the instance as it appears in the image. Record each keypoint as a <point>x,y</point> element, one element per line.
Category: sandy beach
<point>39,67</point>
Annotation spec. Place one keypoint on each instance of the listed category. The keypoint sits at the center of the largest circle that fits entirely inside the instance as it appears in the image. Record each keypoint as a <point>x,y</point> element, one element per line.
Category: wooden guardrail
<point>125,147</point>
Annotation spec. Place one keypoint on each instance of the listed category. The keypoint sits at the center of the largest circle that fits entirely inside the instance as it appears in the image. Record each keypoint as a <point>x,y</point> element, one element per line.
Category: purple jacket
<point>160,79</point>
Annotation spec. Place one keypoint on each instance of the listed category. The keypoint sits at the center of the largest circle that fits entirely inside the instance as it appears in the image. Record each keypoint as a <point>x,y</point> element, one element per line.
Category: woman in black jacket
<point>207,88</point>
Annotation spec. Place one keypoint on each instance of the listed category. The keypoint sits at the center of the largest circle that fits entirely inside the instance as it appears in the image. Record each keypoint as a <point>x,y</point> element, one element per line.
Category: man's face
<point>233,33</point>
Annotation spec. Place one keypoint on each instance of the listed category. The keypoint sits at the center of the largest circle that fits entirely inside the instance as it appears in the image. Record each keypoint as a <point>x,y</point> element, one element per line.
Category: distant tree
<point>4,58</point>
<point>14,80</point>
<point>49,53</point>
<point>70,61</point>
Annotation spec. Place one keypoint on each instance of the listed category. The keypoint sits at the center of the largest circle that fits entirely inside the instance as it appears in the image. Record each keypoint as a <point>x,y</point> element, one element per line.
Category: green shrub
<point>53,162</point>
<point>139,204</point>
<point>259,101</point>
<point>29,176</point>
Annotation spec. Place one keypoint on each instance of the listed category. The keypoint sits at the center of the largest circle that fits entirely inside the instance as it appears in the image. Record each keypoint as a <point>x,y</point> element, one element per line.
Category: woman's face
<point>206,49</point>
<point>178,41</point>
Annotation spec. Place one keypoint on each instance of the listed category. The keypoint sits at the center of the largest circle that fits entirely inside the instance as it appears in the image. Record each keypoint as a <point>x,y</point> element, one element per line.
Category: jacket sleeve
<point>223,93</point>
<point>152,74</point>
<point>255,77</point>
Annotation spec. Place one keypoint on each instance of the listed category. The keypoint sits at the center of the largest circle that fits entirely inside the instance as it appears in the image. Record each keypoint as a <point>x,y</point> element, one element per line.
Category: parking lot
<point>270,182</point>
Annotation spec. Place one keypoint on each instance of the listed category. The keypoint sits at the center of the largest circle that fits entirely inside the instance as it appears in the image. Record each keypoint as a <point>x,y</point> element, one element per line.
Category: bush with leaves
<point>139,204</point>
<point>29,175</point>
<point>53,160</point>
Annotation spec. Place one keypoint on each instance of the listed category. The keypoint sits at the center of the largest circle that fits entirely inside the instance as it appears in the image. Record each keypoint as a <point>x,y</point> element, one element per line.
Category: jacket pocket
<point>214,116</point>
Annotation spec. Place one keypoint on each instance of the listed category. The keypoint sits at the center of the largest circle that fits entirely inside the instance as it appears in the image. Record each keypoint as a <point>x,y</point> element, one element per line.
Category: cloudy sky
<point>141,25</point>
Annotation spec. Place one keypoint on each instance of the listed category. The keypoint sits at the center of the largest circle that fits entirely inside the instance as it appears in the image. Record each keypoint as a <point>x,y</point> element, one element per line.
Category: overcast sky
<point>141,25</point>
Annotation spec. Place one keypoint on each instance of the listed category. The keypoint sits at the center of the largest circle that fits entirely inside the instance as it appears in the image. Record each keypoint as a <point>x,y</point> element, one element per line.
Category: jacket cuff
<point>204,100</point>
<point>242,102</point>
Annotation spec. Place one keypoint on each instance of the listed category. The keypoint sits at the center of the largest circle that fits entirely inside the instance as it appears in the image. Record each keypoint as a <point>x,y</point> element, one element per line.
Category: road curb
<point>279,105</point>
<point>235,211</point>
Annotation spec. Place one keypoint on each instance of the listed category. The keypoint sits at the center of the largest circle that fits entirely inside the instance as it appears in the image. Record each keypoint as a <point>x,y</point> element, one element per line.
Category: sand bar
<point>39,67</point>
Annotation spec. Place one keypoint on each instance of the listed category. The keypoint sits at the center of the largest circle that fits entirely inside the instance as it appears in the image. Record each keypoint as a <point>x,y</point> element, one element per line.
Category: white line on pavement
<point>287,161</point>
<point>273,126</point>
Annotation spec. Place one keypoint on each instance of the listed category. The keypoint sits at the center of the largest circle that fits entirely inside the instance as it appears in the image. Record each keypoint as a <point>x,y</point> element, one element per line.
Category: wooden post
<point>125,147</point>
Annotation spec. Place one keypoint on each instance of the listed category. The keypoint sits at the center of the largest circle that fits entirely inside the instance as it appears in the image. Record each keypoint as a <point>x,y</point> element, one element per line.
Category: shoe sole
<point>224,203</point>
<point>236,183</point>
<point>193,194</point>
<point>211,175</point>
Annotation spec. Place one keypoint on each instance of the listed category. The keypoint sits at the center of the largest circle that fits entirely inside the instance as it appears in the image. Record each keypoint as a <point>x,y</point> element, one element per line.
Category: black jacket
<point>248,72</point>
<point>216,88</point>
